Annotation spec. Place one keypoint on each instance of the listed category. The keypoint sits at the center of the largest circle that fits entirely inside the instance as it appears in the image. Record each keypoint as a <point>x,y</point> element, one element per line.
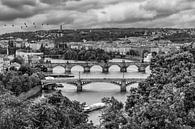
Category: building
<point>28,57</point>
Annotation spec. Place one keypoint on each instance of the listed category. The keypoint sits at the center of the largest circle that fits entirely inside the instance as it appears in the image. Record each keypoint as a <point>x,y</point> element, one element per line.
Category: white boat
<point>49,78</point>
<point>94,107</point>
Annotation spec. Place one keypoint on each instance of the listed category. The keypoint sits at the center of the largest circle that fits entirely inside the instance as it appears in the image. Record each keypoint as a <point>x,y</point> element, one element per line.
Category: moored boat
<point>94,107</point>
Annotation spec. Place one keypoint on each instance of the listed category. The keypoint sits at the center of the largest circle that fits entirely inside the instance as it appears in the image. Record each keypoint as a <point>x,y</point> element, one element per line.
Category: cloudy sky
<point>24,15</point>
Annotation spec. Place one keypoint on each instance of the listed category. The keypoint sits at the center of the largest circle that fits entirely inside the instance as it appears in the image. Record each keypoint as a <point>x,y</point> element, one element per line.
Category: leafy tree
<point>70,54</point>
<point>18,60</point>
<point>52,112</point>
<point>13,112</point>
<point>22,80</point>
<point>26,69</point>
<point>112,117</point>
<point>164,100</point>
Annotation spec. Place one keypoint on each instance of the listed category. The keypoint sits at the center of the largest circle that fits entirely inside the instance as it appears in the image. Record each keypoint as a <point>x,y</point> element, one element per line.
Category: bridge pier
<point>79,86</point>
<point>123,69</point>
<point>68,70</point>
<point>49,70</point>
<point>105,70</point>
<point>142,69</point>
<point>123,86</point>
<point>86,69</point>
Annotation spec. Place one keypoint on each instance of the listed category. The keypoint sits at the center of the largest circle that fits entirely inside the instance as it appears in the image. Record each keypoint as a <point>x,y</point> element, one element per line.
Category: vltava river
<point>93,93</point>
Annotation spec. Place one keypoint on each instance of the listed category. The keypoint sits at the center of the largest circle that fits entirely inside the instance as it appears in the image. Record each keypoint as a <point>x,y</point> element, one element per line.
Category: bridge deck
<point>95,63</point>
<point>59,80</point>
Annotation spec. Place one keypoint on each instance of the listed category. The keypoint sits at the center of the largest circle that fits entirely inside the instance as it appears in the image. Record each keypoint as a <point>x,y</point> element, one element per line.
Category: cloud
<point>18,3</point>
<point>99,13</point>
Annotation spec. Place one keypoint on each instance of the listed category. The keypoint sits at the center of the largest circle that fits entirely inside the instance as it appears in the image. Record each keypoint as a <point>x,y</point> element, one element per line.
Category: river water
<point>93,93</point>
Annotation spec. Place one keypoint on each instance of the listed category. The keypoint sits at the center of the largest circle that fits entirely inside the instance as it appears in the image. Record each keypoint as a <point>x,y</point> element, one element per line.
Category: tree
<point>51,112</point>
<point>13,112</point>
<point>112,117</point>
<point>26,69</point>
<point>18,60</point>
<point>70,54</point>
<point>22,80</point>
<point>164,100</point>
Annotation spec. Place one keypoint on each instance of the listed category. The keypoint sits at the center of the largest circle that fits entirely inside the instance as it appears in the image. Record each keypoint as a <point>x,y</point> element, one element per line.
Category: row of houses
<point>20,43</point>
<point>122,45</point>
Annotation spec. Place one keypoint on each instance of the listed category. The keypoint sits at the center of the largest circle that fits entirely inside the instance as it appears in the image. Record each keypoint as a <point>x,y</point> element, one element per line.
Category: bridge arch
<point>114,68</point>
<point>101,86</point>
<point>88,83</point>
<point>59,69</point>
<point>95,68</point>
<point>117,85</point>
<point>77,68</point>
<point>132,68</point>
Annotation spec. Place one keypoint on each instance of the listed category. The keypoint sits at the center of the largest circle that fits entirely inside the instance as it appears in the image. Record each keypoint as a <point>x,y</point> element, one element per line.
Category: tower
<point>60,32</point>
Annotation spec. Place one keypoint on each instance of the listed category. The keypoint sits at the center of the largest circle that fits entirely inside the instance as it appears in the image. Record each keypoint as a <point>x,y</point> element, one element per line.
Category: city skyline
<point>29,15</point>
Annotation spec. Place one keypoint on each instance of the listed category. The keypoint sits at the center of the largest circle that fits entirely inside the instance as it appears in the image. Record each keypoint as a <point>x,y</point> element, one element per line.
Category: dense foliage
<point>76,54</point>
<point>22,80</point>
<point>52,112</point>
<point>165,100</point>
<point>107,34</point>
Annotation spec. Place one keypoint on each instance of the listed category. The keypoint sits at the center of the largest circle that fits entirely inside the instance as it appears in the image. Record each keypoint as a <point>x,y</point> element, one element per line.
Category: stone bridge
<point>79,83</point>
<point>88,65</point>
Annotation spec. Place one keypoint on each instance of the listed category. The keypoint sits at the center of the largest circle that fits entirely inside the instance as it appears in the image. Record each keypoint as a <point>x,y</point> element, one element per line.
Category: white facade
<point>33,56</point>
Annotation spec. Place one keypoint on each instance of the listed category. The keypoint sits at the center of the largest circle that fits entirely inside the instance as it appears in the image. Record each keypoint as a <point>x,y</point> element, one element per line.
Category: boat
<point>49,78</point>
<point>94,107</point>
<point>52,86</point>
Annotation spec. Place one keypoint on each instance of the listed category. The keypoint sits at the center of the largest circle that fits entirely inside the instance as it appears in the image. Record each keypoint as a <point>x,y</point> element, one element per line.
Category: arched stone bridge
<point>79,83</point>
<point>87,66</point>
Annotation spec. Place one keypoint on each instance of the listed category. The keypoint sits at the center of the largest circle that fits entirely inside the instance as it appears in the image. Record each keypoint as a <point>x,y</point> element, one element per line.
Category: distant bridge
<point>79,83</point>
<point>88,65</point>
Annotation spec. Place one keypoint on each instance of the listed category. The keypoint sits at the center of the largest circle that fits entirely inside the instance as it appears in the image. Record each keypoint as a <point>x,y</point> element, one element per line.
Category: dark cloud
<point>11,15</point>
<point>18,3</point>
<point>55,20</point>
<point>56,2</point>
<point>100,13</point>
<point>51,2</point>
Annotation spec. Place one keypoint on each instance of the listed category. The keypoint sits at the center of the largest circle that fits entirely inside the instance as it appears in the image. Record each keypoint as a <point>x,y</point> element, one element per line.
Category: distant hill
<point>108,34</point>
